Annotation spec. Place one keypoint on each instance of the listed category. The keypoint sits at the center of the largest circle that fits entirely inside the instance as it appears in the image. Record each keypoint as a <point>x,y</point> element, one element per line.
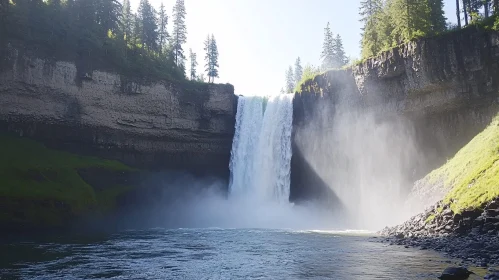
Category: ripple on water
<point>218,254</point>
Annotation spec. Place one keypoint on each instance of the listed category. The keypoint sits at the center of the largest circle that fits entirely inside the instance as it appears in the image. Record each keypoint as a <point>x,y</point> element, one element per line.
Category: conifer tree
<point>214,58</point>
<point>328,48</point>
<point>162,23</point>
<point>179,31</point>
<point>437,16</point>
<point>211,58</point>
<point>290,81</point>
<point>340,58</point>
<point>108,16</point>
<point>127,21</point>
<point>370,11</point>
<point>149,33</point>
<point>194,64</point>
<point>298,71</point>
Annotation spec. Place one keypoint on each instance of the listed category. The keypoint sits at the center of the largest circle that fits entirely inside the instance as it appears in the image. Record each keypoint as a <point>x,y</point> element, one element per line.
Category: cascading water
<point>261,151</point>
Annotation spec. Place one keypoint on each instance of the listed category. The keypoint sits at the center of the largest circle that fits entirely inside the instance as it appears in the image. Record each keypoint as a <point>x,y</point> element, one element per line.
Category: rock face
<point>445,89</point>
<point>151,125</point>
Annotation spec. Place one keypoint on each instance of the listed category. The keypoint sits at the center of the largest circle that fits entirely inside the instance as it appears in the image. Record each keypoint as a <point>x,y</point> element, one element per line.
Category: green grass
<point>472,175</point>
<point>43,183</point>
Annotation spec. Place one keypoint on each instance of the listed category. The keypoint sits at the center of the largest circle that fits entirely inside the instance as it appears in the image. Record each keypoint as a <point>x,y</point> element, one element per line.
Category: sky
<point>259,39</point>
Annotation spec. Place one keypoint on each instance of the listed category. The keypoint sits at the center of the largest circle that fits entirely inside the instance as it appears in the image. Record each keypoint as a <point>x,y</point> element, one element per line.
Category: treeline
<point>107,33</point>
<point>388,23</point>
<point>333,56</point>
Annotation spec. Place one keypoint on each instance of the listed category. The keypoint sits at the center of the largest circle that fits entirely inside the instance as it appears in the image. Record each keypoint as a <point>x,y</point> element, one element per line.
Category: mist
<point>368,162</point>
<point>182,200</point>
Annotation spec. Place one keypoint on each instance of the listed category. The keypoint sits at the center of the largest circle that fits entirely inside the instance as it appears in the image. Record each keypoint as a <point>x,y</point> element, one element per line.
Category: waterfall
<point>261,150</point>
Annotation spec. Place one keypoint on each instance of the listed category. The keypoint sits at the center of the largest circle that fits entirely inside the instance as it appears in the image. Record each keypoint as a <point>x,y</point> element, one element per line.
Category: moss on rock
<point>41,187</point>
<point>472,175</point>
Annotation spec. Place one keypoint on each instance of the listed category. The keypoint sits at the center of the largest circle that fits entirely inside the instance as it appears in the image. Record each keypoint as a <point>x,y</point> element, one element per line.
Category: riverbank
<point>464,223</point>
<point>472,235</point>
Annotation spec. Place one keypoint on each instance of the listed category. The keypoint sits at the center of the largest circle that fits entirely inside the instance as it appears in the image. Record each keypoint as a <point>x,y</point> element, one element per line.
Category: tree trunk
<point>458,14</point>
<point>496,6</point>
<point>486,8</point>
<point>465,10</point>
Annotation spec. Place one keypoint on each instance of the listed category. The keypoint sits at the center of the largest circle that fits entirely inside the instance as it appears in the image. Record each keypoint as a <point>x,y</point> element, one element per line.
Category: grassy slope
<point>42,184</point>
<point>473,173</point>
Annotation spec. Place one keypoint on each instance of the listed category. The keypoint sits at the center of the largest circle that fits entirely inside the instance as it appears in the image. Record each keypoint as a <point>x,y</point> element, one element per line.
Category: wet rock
<point>492,276</point>
<point>455,273</point>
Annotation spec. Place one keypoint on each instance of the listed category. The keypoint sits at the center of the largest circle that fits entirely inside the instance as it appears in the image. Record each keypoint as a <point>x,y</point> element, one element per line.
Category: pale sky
<point>259,39</point>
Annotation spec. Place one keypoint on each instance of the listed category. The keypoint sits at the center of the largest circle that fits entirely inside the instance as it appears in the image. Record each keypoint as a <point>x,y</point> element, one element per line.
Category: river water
<point>215,254</point>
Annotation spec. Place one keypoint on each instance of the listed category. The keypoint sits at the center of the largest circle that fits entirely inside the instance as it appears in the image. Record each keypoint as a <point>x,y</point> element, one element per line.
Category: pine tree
<point>136,31</point>
<point>149,33</point>
<point>108,16</point>
<point>179,31</point>
<point>340,58</point>
<point>214,58</point>
<point>328,47</point>
<point>370,11</point>
<point>162,23</point>
<point>211,58</point>
<point>290,81</point>
<point>127,21</point>
<point>207,57</point>
<point>437,16</point>
<point>194,64</point>
<point>298,71</point>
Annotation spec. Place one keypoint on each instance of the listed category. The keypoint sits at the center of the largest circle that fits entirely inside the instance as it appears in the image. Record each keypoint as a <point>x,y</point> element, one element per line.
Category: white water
<point>261,151</point>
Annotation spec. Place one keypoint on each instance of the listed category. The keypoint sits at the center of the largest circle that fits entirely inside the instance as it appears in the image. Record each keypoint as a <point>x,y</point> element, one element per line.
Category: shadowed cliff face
<point>426,99</point>
<point>152,125</point>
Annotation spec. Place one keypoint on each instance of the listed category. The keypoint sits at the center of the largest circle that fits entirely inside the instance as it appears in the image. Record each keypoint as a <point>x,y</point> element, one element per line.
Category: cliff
<point>144,124</point>
<point>432,95</point>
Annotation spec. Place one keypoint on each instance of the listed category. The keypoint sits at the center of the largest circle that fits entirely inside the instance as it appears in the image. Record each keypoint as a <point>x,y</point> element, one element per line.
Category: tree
<point>458,14</point>
<point>108,16</point>
<point>162,23</point>
<point>437,16</point>
<point>147,17</point>
<point>194,64</point>
<point>211,58</point>
<point>127,21</point>
<point>136,31</point>
<point>298,71</point>
<point>290,81</point>
<point>465,11</point>
<point>340,58</point>
<point>179,31</point>
<point>328,47</point>
<point>370,11</point>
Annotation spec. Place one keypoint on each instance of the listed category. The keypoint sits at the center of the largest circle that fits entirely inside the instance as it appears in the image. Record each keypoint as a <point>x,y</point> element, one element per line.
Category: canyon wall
<point>153,125</point>
<point>439,91</point>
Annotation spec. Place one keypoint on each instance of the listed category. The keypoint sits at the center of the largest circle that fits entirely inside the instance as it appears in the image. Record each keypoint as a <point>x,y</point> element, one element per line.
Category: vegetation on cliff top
<point>472,175</point>
<point>104,34</point>
<point>40,186</point>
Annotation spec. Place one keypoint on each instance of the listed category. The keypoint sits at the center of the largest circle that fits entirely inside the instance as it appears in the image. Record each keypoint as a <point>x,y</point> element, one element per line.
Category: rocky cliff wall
<point>444,90</point>
<point>153,125</point>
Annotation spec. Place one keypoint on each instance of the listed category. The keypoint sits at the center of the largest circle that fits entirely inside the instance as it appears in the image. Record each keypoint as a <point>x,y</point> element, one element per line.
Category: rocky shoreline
<point>471,235</point>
